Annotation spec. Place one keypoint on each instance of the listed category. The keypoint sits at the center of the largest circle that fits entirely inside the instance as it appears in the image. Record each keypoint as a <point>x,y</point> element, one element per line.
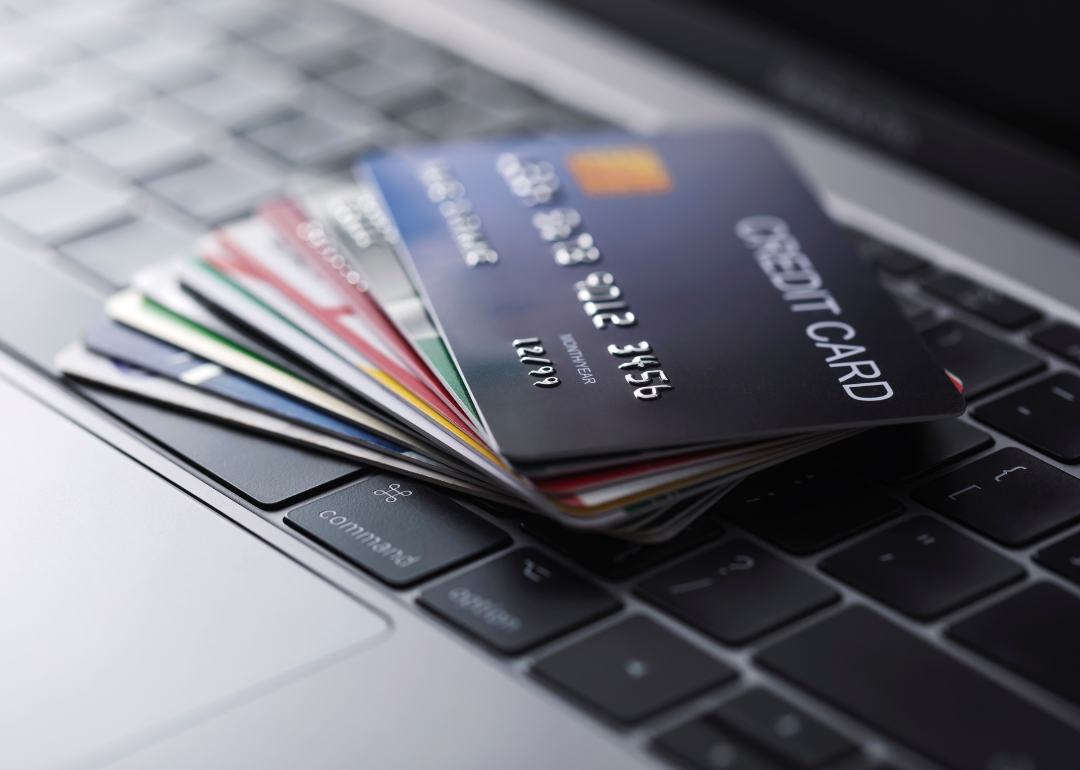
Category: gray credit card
<point>605,293</point>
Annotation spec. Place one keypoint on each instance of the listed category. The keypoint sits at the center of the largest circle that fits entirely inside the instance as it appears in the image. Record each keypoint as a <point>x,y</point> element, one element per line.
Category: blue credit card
<point>122,343</point>
<point>604,293</point>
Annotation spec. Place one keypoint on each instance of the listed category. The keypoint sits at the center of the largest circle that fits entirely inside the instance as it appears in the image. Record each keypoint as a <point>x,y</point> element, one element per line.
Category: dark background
<point>985,95</point>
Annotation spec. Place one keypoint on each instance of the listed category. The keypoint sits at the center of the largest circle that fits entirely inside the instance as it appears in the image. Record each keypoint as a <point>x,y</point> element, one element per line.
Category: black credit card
<point>605,293</point>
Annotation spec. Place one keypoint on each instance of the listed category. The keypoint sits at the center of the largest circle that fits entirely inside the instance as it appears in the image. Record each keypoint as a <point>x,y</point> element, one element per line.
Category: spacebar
<point>924,698</point>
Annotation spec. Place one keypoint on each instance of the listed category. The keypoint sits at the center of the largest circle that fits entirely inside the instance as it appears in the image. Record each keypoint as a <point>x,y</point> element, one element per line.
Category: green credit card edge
<point>438,357</point>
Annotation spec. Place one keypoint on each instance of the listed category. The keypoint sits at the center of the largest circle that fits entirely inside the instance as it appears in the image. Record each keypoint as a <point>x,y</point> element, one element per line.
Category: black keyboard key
<point>736,591</point>
<point>269,473</point>
<point>916,313</point>
<point>783,730</point>
<point>1036,633</point>
<point>986,303</point>
<point>897,454</point>
<point>803,506</point>
<point>704,745</point>
<point>633,670</point>
<point>617,559</point>
<point>924,698</point>
<point>922,568</point>
<point>396,528</point>
<point>1061,340</point>
<point>1009,496</point>
<point>888,258</point>
<point>1063,557</point>
<point>1045,416</point>
<point>519,601</point>
<point>981,362</point>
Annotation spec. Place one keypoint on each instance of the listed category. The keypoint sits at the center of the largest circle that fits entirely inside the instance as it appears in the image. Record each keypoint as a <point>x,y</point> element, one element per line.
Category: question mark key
<point>736,591</point>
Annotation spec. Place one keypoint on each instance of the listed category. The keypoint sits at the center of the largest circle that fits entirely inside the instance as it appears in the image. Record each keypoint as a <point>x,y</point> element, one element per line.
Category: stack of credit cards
<point>606,329</point>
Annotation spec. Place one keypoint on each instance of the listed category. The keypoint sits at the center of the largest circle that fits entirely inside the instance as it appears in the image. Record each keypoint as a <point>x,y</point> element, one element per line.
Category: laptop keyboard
<point>899,597</point>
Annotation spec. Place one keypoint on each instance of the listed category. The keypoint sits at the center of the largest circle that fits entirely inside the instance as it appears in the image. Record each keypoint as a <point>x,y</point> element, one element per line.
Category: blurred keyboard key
<point>1063,557</point>
<point>921,696</point>
<point>326,61</point>
<point>981,362</point>
<point>804,506</point>
<point>705,745</point>
<point>519,600</point>
<point>896,454</point>
<point>736,591</point>
<point>478,86</point>
<point>986,303</point>
<point>63,207</point>
<point>303,140</point>
<point>19,163</point>
<point>111,38</point>
<point>138,148</point>
<point>76,20</point>
<point>548,118</point>
<point>372,80</point>
<point>917,314</point>
<point>1045,416</point>
<point>229,98</point>
<point>615,558</point>
<point>56,105</point>
<point>456,120</point>
<point>402,106</point>
<point>888,258</point>
<point>115,254</point>
<point>1010,496</point>
<point>922,568</point>
<point>162,64</point>
<point>1036,633</point>
<point>247,19</point>
<point>404,51</point>
<point>33,40</point>
<point>783,730</point>
<point>299,43</point>
<point>214,191</point>
<point>633,670</point>
<point>330,104</point>
<point>1061,340</point>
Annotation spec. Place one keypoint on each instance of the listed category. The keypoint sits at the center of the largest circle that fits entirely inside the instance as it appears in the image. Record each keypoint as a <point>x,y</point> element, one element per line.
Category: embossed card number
<point>644,361</point>
<point>529,349</point>
<point>599,296</point>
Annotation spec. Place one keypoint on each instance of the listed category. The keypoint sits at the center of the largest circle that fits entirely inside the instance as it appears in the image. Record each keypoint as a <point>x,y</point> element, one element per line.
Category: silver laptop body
<point>155,618</point>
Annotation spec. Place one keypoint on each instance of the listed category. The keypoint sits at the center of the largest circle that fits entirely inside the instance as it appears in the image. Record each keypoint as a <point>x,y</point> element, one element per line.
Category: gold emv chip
<point>627,170</point>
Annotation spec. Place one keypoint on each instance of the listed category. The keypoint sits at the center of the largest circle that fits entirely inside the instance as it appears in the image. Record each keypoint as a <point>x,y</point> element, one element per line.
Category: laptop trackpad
<point>125,604</point>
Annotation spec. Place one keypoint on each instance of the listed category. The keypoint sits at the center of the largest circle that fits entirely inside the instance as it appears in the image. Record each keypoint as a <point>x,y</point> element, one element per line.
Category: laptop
<point>908,599</point>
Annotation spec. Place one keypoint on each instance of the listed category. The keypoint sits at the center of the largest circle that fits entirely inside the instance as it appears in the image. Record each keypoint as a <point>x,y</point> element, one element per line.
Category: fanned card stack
<point>605,329</point>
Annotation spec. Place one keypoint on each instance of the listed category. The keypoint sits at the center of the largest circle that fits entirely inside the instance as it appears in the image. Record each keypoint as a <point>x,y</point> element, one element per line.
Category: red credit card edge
<point>570,484</point>
<point>241,260</point>
<point>287,218</point>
